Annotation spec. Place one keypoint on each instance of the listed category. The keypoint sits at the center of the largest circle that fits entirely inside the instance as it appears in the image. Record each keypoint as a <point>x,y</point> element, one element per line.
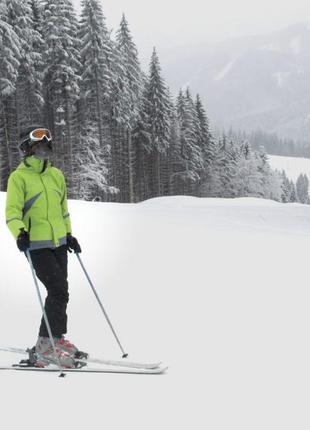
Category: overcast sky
<point>168,23</point>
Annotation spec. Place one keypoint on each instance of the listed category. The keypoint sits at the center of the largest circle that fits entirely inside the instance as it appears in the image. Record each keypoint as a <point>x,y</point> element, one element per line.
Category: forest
<point>119,135</point>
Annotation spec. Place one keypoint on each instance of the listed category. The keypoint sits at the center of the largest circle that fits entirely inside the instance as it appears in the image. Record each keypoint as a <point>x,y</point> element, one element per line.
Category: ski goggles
<point>39,134</point>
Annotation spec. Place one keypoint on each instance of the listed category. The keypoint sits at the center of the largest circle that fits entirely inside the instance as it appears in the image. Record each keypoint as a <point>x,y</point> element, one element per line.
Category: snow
<point>293,166</point>
<point>296,45</point>
<point>218,289</point>
<point>226,69</point>
<point>281,77</point>
<point>270,47</point>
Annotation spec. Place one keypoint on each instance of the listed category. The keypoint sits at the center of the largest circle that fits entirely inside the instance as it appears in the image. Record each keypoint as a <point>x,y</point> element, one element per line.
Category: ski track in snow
<point>217,289</point>
<point>225,70</point>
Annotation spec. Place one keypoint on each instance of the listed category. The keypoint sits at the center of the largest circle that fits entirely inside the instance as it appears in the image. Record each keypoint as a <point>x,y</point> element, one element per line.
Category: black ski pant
<point>51,267</point>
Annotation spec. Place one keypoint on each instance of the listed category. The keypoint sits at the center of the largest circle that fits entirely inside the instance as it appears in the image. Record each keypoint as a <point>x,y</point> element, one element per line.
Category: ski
<point>93,360</point>
<point>131,364</point>
<point>136,371</point>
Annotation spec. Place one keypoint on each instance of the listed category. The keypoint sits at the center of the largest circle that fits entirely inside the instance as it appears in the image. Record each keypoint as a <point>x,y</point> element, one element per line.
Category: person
<point>37,216</point>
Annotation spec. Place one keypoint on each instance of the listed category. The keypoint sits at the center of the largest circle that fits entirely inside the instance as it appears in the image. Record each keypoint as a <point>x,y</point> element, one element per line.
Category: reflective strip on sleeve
<point>12,219</point>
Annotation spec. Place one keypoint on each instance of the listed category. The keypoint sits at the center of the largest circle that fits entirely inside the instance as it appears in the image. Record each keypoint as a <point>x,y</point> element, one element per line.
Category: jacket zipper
<point>47,209</point>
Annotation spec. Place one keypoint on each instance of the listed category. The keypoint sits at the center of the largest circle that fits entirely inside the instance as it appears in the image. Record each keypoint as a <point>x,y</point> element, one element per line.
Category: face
<point>42,150</point>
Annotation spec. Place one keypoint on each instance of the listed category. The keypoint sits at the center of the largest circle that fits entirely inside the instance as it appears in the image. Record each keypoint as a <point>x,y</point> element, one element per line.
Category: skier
<point>37,215</point>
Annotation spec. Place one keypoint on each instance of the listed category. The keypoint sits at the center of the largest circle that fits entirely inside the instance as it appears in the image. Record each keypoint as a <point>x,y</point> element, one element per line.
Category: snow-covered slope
<point>293,166</point>
<point>217,289</point>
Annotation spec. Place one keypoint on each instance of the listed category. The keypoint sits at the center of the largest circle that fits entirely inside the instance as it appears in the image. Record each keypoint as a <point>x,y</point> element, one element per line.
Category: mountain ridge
<point>251,82</point>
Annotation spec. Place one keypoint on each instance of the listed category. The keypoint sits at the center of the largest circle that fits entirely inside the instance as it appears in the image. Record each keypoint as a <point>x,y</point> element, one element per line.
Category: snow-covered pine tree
<point>229,167</point>
<point>116,169</point>
<point>62,80</point>
<point>222,180</point>
<point>38,42</point>
<point>180,163</point>
<point>306,182</point>
<point>95,93</point>
<point>191,152</point>
<point>275,185</point>
<point>248,178</point>
<point>211,186</point>
<point>255,176</point>
<point>127,99</point>
<point>293,193</point>
<point>171,161</point>
<point>28,97</point>
<point>92,177</point>
<point>302,188</point>
<point>10,46</point>
<point>286,188</point>
<point>204,140</point>
<point>158,115</point>
<point>142,141</point>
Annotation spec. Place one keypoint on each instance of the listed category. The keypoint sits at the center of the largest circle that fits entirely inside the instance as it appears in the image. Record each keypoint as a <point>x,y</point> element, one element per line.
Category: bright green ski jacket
<point>37,201</point>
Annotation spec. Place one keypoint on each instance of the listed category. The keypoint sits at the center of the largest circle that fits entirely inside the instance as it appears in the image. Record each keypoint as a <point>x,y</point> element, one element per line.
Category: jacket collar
<point>34,164</point>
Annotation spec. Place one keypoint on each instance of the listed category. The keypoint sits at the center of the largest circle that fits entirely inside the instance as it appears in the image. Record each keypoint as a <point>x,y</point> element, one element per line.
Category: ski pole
<point>100,304</point>
<point>44,313</point>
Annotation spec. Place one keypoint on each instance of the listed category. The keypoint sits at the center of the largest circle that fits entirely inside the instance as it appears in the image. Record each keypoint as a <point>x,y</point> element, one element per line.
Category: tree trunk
<point>98,92</point>
<point>69,141</point>
<point>6,167</point>
<point>130,167</point>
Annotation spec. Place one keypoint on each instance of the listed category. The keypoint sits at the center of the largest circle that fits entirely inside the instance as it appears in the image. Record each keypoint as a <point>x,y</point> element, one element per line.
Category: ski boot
<point>45,355</point>
<point>68,347</point>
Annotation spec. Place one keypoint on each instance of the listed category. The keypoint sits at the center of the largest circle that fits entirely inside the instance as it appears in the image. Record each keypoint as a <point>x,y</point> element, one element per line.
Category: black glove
<point>72,243</point>
<point>23,240</point>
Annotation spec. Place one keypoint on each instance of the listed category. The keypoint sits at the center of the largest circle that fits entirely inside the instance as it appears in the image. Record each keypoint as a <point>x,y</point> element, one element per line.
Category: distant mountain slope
<point>251,82</point>
<point>293,166</point>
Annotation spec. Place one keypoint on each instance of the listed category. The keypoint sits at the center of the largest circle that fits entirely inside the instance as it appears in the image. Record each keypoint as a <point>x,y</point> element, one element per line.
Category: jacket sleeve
<point>15,199</point>
<point>64,206</point>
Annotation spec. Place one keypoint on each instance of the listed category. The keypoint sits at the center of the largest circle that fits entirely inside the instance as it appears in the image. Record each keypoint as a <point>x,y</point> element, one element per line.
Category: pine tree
<point>178,162</point>
<point>248,177</point>
<point>293,193</point>
<point>205,141</point>
<point>92,178</point>
<point>212,186</point>
<point>286,188</point>
<point>142,141</point>
<point>10,46</point>
<point>230,169</point>
<point>196,150</point>
<point>302,188</point>
<point>95,59</point>
<point>157,114</point>
<point>191,152</point>
<point>28,97</point>
<point>132,79</point>
<point>95,54</point>
<point>127,99</point>
<point>62,80</point>
<point>171,161</point>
